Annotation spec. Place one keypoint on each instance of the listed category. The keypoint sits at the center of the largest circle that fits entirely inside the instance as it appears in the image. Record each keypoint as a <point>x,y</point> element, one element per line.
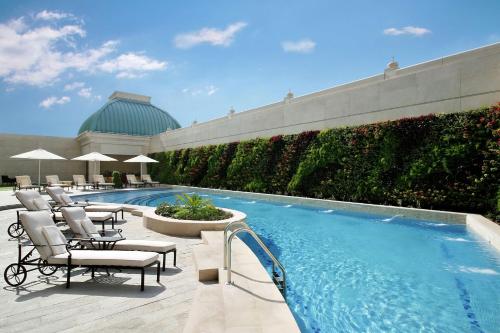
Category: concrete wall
<point>12,144</point>
<point>455,83</point>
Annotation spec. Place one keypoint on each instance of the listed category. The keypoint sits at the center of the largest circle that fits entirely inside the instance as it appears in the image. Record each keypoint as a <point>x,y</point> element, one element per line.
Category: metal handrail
<point>263,246</point>
<point>226,230</point>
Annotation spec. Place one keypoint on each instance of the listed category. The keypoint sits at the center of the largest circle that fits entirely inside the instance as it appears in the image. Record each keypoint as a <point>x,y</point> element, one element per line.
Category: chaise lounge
<point>132,181</point>
<point>148,181</point>
<point>62,199</point>
<point>24,183</point>
<point>80,181</point>
<point>56,252</point>
<point>85,230</point>
<point>53,180</point>
<point>33,201</point>
<point>99,181</point>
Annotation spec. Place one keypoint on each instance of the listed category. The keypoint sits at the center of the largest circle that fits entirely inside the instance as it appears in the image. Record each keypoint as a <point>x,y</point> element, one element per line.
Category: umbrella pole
<point>141,173</point>
<point>39,172</point>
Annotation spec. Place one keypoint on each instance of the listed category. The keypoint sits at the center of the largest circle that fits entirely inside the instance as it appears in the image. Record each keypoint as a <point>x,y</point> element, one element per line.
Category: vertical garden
<point>448,162</point>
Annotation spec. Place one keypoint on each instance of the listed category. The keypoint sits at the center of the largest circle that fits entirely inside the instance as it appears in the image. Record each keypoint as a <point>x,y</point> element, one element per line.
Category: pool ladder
<point>237,227</point>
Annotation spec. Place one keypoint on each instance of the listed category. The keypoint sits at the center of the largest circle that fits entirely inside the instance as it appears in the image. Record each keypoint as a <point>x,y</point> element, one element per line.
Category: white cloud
<point>211,90</point>
<point>132,65</point>
<point>52,16</point>
<point>300,46</point>
<point>85,92</point>
<point>409,30</point>
<point>207,90</point>
<point>211,36</point>
<point>52,100</point>
<point>74,86</point>
<point>39,55</point>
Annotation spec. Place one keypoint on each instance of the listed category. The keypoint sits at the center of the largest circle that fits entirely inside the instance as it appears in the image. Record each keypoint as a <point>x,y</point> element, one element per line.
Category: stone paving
<point>107,304</point>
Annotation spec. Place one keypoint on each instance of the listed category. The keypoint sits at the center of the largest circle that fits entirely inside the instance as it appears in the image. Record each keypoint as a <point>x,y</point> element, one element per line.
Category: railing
<point>280,281</point>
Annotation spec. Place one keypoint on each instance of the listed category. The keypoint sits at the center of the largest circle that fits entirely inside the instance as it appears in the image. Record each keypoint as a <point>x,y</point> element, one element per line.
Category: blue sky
<point>60,60</point>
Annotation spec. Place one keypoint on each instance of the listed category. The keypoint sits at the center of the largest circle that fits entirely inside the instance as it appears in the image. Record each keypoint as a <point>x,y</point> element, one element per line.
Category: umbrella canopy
<point>94,157</point>
<point>39,154</point>
<point>141,159</point>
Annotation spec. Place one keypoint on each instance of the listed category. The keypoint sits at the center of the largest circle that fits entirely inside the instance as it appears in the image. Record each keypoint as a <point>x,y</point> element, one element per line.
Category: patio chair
<point>24,183</point>
<point>33,201</point>
<point>55,252</point>
<point>85,230</point>
<point>147,180</point>
<point>132,181</point>
<point>80,181</point>
<point>62,199</point>
<point>53,180</point>
<point>99,181</point>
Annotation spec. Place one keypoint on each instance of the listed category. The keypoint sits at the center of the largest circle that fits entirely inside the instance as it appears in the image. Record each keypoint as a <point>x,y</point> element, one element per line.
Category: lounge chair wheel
<point>15,230</point>
<point>15,275</point>
<point>45,268</point>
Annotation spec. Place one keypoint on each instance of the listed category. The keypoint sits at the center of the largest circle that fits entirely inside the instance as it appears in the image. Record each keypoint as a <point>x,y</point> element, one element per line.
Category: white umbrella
<point>39,154</point>
<point>94,157</point>
<point>141,159</point>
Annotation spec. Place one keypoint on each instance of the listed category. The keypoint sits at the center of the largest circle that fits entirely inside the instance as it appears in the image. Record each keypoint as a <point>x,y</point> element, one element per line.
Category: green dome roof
<point>129,116</point>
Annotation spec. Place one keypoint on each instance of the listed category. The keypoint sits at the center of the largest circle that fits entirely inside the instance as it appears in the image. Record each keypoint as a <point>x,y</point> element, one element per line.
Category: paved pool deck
<point>108,303</point>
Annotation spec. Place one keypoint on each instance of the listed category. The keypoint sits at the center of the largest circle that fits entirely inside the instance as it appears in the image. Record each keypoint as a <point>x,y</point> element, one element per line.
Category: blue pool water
<point>351,272</point>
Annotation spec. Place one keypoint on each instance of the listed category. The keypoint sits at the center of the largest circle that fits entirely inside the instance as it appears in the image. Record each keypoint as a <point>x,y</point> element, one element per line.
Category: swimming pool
<point>352,272</point>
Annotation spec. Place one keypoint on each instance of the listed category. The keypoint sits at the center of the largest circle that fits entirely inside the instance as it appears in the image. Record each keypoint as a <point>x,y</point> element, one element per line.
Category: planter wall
<point>187,228</point>
<point>447,162</point>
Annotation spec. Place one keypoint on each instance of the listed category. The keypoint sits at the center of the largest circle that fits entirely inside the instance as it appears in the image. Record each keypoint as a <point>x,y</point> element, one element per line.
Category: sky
<point>61,60</point>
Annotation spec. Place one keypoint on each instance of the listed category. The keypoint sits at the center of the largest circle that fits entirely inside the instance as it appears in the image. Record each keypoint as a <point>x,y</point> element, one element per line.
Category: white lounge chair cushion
<point>26,199</point>
<point>94,216</point>
<point>65,199</point>
<point>41,204</point>
<point>56,239</point>
<point>33,222</point>
<point>99,216</point>
<point>105,258</point>
<point>103,208</point>
<point>77,228</point>
<point>143,245</point>
<point>89,228</point>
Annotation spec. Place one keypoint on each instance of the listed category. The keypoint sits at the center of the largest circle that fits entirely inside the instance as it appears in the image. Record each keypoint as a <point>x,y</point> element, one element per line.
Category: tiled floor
<point>108,303</point>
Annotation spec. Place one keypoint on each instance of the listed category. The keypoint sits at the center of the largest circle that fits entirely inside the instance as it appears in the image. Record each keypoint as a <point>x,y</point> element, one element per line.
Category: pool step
<point>206,262</point>
<point>251,304</point>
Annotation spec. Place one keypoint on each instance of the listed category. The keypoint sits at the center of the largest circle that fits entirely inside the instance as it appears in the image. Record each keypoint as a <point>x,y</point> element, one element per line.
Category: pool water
<point>352,272</point>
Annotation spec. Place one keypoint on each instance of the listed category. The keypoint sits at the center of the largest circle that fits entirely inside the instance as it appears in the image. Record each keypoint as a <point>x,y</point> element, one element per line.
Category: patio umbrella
<point>39,154</point>
<point>94,157</point>
<point>141,159</point>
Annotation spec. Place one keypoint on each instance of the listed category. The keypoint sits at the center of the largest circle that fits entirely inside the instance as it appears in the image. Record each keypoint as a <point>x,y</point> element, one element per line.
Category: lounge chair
<point>55,252</point>
<point>80,181</point>
<point>24,183</point>
<point>99,181</point>
<point>62,199</point>
<point>53,180</point>
<point>132,181</point>
<point>147,180</point>
<point>85,230</point>
<point>33,201</point>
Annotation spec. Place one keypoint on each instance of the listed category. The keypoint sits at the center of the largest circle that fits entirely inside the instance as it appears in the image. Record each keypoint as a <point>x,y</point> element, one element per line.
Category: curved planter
<point>190,228</point>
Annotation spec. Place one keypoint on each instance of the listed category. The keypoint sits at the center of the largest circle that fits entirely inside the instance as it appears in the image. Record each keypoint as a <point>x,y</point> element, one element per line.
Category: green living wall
<point>449,162</point>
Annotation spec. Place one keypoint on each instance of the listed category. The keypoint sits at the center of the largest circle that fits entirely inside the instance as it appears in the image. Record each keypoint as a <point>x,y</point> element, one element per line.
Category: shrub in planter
<point>117,179</point>
<point>192,208</point>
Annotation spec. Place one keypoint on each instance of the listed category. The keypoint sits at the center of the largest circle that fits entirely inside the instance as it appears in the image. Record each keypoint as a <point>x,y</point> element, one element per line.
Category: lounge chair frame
<point>19,272</point>
<point>91,240</point>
